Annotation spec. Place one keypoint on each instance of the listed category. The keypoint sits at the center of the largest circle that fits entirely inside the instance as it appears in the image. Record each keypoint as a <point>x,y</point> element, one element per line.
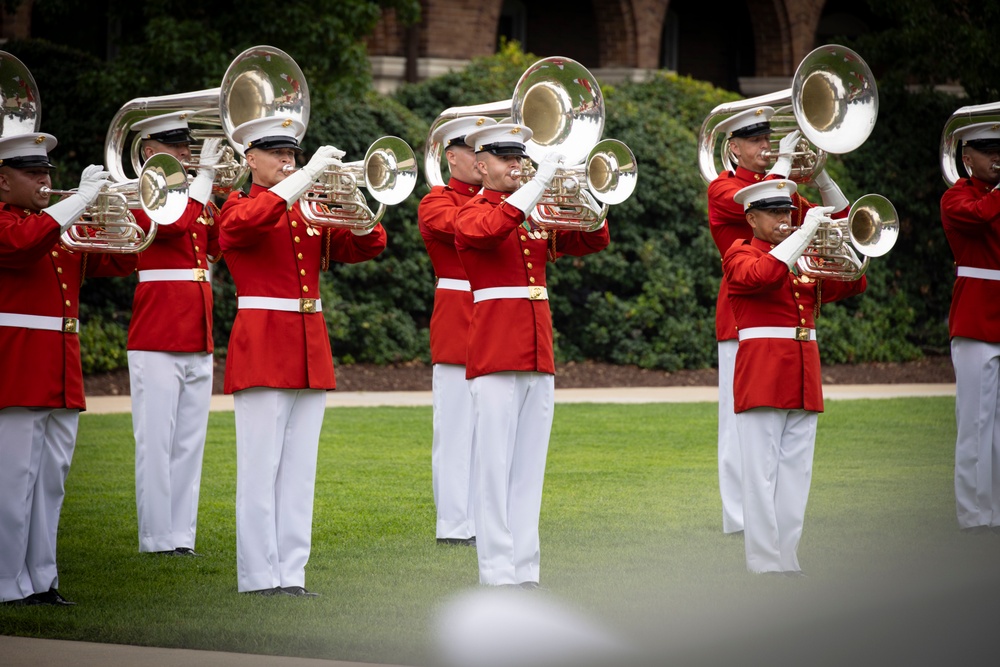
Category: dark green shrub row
<point>649,299</point>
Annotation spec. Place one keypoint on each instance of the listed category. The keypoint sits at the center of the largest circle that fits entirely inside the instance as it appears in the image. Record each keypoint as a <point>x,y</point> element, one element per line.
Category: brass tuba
<point>872,227</point>
<point>950,157</point>
<point>389,172</point>
<point>833,101</point>
<point>261,81</point>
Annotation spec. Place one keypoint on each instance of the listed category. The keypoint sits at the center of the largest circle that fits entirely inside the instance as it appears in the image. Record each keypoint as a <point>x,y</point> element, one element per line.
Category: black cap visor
<point>275,142</point>
<point>178,136</point>
<point>773,203</point>
<point>754,130</point>
<point>984,145</point>
<point>27,162</point>
<point>503,149</point>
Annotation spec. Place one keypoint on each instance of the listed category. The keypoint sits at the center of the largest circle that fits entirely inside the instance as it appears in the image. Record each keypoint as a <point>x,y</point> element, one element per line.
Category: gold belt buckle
<point>70,325</point>
<point>536,293</point>
<point>801,334</point>
<point>307,305</point>
<point>200,276</point>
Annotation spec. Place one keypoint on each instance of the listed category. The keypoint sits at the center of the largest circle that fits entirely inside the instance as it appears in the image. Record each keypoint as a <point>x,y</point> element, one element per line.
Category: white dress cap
<point>167,128</point>
<point>750,123</point>
<point>454,131</point>
<point>270,132</point>
<point>22,151</point>
<point>500,139</point>
<point>767,195</point>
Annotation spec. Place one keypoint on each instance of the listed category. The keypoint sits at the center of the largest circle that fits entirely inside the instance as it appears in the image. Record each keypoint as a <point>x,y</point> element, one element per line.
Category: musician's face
<point>462,163</point>
<point>980,163</point>
<point>267,164</point>
<point>496,171</point>
<point>182,151</point>
<point>19,187</point>
<point>749,151</point>
<point>771,224</point>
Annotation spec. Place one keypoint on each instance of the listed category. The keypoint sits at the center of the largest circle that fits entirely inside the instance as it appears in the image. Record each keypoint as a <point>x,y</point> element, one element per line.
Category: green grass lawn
<point>630,526</point>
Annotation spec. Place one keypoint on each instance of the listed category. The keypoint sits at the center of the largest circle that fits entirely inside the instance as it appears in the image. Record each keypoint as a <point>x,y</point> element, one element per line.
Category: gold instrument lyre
<point>833,101</point>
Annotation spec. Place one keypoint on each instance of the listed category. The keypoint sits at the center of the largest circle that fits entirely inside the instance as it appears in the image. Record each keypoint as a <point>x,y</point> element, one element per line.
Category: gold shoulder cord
<point>324,263</point>
<point>552,246</point>
<point>83,268</point>
<point>819,298</point>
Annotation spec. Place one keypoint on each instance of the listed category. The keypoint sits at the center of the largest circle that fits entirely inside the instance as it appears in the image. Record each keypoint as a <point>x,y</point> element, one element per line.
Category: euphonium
<point>22,107</point>
<point>261,81</point>
<point>108,226</point>
<point>833,101</point>
<point>872,228</point>
<point>389,172</point>
<point>952,168</point>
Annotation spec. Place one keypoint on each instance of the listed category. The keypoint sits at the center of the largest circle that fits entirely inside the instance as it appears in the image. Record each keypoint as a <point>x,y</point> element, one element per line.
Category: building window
<point>668,41</point>
<point>513,25</point>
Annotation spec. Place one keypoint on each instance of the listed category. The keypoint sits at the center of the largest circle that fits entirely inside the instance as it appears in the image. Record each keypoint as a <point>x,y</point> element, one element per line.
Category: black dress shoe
<point>23,602</point>
<point>458,541</point>
<point>267,592</point>
<point>51,597</point>
<point>299,592</point>
<point>186,551</point>
<point>530,586</point>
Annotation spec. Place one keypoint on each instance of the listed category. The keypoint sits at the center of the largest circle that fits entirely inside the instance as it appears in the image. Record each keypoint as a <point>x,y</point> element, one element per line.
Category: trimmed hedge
<point>649,299</point>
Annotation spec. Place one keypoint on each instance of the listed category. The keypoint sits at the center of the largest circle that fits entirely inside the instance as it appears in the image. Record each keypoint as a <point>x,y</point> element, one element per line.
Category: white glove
<point>529,194</point>
<point>830,192</point>
<point>789,250</point>
<point>67,211</point>
<point>292,187</point>
<point>783,166</point>
<point>200,189</point>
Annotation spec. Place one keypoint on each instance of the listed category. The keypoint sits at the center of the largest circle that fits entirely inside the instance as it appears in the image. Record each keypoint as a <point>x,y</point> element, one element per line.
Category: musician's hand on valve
<point>67,211</point>
<point>297,183</point>
<point>200,189</point>
<point>783,166</point>
<point>789,250</point>
<point>211,154</point>
<point>830,192</point>
<point>325,156</point>
<point>547,168</point>
<point>529,194</point>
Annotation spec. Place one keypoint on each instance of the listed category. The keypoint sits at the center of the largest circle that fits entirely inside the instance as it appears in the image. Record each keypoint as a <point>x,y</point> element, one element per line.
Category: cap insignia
<point>780,186</point>
<point>758,112</point>
<point>39,139</point>
<point>480,121</point>
<point>516,130</point>
<point>287,122</point>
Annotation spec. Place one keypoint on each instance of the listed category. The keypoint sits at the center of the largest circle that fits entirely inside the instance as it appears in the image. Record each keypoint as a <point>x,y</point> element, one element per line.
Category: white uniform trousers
<point>777,448</point>
<point>36,449</point>
<point>452,452</point>
<point>277,441</point>
<point>730,459</point>
<point>513,423</point>
<point>977,448</point>
<point>171,393</point>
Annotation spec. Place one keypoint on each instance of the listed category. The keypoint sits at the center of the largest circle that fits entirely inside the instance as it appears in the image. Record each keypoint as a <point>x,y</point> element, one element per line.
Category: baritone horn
<point>262,81</point>
<point>107,224</point>
<point>22,107</point>
<point>952,167</point>
<point>833,101</point>
<point>872,227</point>
<point>389,172</point>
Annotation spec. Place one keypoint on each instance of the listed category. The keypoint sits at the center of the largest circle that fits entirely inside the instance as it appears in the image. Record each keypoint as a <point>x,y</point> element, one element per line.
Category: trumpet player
<point>970,213</point>
<point>749,134</point>
<point>510,359</point>
<point>777,388</point>
<point>170,348</point>
<point>452,447</point>
<point>280,365</point>
<point>41,395</point>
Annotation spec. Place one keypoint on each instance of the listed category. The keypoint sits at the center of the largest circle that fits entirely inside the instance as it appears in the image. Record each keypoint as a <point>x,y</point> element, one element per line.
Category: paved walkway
<point>110,404</point>
<point>18,651</point>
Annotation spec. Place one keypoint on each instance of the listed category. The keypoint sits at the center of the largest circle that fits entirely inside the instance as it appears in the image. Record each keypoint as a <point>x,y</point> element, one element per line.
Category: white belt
<point>287,305</point>
<point>531,293</point>
<point>452,283</point>
<point>794,333</point>
<point>43,322</point>
<point>972,272</point>
<point>162,275</point>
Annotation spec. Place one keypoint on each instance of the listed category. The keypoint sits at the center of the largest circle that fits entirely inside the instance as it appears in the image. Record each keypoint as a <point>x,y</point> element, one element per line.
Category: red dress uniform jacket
<point>176,315</point>
<point>38,276</point>
<point>728,224</point>
<point>511,334</point>
<point>970,213</point>
<point>780,373</point>
<point>272,252</point>
<point>452,308</point>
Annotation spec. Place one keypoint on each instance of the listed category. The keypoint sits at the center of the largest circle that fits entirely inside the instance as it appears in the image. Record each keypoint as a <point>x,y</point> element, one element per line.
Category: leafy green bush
<point>102,345</point>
